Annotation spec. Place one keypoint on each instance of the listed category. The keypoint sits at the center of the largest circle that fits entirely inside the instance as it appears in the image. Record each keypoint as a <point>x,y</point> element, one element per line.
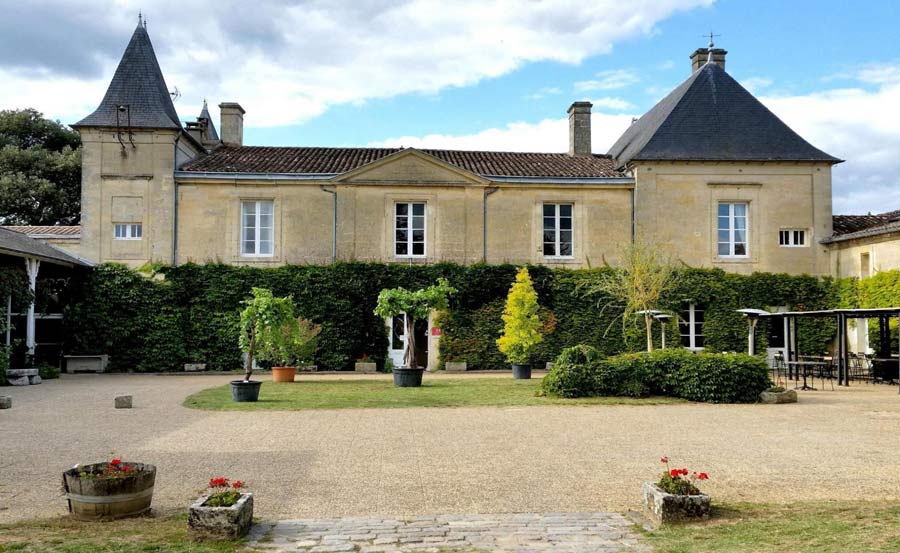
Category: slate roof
<point>62,231</point>
<point>849,227</point>
<point>211,133</point>
<point>22,245</point>
<point>330,161</point>
<point>138,83</point>
<point>711,117</point>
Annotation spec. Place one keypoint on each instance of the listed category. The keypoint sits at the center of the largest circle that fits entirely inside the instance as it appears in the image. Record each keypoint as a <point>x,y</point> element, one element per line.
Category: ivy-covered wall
<point>189,313</point>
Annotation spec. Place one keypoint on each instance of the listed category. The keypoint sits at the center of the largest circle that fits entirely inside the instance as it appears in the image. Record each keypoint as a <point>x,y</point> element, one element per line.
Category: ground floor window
<point>558,230</point>
<point>257,228</point>
<point>690,326</point>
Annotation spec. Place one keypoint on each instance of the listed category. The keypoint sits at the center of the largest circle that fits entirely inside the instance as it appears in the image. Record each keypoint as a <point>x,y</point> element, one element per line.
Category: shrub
<point>48,372</point>
<point>521,324</point>
<point>708,377</point>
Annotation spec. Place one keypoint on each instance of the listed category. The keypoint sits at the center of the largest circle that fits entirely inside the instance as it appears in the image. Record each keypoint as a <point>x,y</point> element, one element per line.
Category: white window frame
<point>788,238</point>
<point>731,230</point>
<point>130,231</point>
<point>409,230</point>
<point>257,216</point>
<point>557,231</point>
<point>691,321</point>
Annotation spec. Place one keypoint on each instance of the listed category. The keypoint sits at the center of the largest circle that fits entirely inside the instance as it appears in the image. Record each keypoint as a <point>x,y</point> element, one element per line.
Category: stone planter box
<point>22,377</point>
<point>787,396</point>
<point>221,522</point>
<point>367,368</point>
<point>86,363</point>
<point>307,368</point>
<point>456,366</point>
<point>194,367</point>
<point>664,507</point>
<point>5,402</point>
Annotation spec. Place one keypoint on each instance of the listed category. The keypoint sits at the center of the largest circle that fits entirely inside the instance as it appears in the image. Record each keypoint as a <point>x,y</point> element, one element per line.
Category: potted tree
<point>521,325</point>
<point>416,305</point>
<point>288,346</point>
<point>262,321</point>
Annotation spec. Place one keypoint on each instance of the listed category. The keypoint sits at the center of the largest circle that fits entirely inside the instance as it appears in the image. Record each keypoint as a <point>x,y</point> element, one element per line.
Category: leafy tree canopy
<point>40,170</point>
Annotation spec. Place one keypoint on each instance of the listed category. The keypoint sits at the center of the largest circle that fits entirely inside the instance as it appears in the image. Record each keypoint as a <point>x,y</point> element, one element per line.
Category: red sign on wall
<point>435,331</point>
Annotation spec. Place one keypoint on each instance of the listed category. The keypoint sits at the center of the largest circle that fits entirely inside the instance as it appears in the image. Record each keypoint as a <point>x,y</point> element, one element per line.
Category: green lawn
<point>817,527</point>
<point>348,394</point>
<point>163,534</point>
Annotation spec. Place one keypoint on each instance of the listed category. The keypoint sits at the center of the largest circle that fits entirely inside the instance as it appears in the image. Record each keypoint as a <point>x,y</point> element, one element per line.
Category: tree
<point>416,305</point>
<point>265,328</point>
<point>645,274</point>
<point>40,170</point>
<point>522,325</point>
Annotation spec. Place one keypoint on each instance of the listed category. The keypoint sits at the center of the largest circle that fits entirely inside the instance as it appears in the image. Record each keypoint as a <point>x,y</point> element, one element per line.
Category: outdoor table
<point>805,365</point>
<point>894,360</point>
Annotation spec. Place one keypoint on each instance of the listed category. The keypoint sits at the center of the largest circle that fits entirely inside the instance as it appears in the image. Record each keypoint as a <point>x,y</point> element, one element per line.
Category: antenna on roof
<point>176,94</point>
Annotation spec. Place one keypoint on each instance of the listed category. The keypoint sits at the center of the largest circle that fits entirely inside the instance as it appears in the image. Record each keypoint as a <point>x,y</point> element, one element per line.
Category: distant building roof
<point>711,117</point>
<point>332,161</point>
<point>40,231</point>
<point>850,227</point>
<point>138,84</point>
<point>211,133</point>
<point>21,245</point>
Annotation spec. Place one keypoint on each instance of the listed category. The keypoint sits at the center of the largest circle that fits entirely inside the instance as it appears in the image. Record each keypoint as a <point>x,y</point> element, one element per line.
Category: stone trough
<point>23,377</point>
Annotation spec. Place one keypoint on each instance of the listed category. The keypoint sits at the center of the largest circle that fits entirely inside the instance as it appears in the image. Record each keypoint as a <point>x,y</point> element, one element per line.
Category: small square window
<point>128,231</point>
<point>792,238</point>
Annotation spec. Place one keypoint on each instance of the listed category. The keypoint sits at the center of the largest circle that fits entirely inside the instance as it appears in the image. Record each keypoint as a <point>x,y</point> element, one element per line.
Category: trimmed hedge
<point>189,313</point>
<point>581,371</point>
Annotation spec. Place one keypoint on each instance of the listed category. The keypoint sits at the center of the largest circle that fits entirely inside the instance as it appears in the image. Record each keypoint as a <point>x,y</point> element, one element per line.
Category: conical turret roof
<point>139,84</point>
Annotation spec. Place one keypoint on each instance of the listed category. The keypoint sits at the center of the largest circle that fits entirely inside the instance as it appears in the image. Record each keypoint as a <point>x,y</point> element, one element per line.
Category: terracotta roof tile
<point>47,230</point>
<point>266,159</point>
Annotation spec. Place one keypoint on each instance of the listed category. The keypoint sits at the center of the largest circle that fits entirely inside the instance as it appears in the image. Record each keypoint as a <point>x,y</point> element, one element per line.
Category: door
<point>397,339</point>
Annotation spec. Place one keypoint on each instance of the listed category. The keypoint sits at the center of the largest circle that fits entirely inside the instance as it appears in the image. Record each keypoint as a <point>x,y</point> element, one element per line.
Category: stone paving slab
<point>519,533</point>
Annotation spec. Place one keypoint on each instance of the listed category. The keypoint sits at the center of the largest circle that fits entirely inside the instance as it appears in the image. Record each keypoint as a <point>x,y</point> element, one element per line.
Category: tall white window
<point>792,238</point>
<point>690,326</point>
<point>128,231</point>
<point>732,229</point>
<point>257,228</point>
<point>558,230</point>
<point>409,229</point>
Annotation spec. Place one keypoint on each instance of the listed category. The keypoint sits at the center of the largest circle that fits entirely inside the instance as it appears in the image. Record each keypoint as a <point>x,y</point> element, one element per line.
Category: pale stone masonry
<point>520,533</point>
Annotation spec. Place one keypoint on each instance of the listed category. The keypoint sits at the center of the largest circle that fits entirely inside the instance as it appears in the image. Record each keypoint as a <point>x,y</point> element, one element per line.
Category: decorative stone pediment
<point>410,166</point>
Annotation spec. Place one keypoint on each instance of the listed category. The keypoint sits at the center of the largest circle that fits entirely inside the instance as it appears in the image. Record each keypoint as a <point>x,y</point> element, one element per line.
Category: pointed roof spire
<point>211,133</point>
<point>139,88</point>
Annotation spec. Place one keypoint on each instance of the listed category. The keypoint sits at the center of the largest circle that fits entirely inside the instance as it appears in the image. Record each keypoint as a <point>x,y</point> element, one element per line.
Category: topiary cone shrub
<point>521,324</point>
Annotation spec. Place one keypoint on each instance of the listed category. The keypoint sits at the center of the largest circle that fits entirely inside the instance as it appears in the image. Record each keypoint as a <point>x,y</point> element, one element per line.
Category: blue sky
<point>476,74</point>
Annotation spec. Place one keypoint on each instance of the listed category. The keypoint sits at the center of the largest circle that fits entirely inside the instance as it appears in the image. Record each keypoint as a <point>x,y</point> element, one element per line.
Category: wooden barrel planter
<point>92,498</point>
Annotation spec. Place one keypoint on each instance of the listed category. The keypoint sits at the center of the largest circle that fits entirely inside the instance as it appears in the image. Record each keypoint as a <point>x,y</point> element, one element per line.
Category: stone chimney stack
<point>701,56</point>
<point>232,123</point>
<point>580,129</point>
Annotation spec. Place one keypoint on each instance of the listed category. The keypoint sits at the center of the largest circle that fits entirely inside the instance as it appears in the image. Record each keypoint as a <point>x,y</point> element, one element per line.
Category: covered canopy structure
<point>16,248</point>
<point>841,316</point>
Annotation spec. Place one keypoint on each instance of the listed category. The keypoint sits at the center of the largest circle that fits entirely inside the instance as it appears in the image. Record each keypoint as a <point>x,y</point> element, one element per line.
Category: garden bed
<point>380,393</point>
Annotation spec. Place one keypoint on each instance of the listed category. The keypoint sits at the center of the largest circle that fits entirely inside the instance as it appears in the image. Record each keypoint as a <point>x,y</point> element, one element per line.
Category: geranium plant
<point>416,305</point>
<point>680,481</point>
<point>521,323</point>
<point>112,470</point>
<point>223,492</point>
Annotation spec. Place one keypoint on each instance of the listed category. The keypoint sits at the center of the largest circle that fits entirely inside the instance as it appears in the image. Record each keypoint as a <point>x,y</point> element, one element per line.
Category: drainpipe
<point>333,221</point>
<point>488,190</point>
<point>632,215</point>
<point>175,204</point>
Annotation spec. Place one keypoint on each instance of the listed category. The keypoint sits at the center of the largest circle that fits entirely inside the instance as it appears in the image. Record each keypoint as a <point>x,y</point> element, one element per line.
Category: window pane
<point>549,236</point>
<point>565,248</point>
<point>119,231</point>
<point>723,210</point>
<point>249,247</point>
<point>265,247</point>
<point>398,329</point>
<point>265,234</point>
<point>265,220</point>
<point>418,248</point>
<point>783,237</point>
<point>740,249</point>
<point>549,210</point>
<point>549,248</point>
<point>402,222</point>
<point>565,223</point>
<point>549,223</point>
<point>402,209</point>
<point>740,210</point>
<point>265,208</point>
<point>740,236</point>
<point>401,248</point>
<point>740,223</point>
<point>418,209</point>
<point>723,236</point>
<point>565,210</point>
<point>565,236</point>
<point>724,223</point>
<point>250,234</point>
<point>136,231</point>
<point>401,235</point>
<point>418,235</point>
<point>698,341</point>
<point>799,237</point>
<point>723,249</point>
<point>248,207</point>
<point>418,222</point>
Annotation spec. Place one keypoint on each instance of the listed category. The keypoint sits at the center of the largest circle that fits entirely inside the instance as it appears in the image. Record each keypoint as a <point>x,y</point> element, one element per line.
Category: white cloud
<point>549,135</point>
<point>614,104</point>
<point>756,84</point>
<point>612,79</point>
<point>860,126</point>
<point>286,63</point>
<point>544,92</point>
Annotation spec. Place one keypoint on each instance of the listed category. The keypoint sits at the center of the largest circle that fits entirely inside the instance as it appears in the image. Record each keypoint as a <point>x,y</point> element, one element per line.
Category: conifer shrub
<point>521,324</point>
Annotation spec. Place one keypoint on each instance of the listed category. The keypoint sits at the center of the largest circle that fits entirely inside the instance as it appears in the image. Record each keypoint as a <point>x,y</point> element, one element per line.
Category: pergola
<point>841,316</point>
<point>17,247</point>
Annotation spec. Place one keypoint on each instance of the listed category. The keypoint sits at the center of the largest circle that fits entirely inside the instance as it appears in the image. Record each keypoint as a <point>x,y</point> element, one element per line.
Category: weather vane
<point>711,37</point>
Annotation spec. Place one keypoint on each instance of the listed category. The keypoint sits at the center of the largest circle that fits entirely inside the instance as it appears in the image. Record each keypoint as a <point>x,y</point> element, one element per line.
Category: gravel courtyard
<point>840,444</point>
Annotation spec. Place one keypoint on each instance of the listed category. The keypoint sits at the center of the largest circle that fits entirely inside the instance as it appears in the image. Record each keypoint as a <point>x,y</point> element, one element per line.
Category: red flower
<point>674,473</point>
<point>238,484</point>
<point>684,471</point>
<point>703,476</point>
<point>664,460</point>
<point>115,462</point>
<point>220,482</point>
<point>126,468</point>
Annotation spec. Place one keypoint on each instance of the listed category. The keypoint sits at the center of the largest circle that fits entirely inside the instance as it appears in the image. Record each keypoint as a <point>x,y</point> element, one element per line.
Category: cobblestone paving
<point>520,533</point>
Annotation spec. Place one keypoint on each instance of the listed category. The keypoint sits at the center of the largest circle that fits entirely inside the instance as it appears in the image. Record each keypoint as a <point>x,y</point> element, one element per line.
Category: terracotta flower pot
<point>283,374</point>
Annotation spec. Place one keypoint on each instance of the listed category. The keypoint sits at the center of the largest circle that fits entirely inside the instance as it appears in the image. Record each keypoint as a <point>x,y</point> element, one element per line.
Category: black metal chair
<point>779,369</point>
<point>860,367</point>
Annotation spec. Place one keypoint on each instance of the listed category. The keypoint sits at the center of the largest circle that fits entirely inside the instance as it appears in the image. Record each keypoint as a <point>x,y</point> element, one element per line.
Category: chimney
<point>232,123</point>
<point>701,56</point>
<point>580,129</point>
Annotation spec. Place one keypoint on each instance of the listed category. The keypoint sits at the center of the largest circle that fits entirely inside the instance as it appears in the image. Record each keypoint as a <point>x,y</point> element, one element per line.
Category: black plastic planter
<point>408,378</point>
<point>521,372</point>
<point>242,390</point>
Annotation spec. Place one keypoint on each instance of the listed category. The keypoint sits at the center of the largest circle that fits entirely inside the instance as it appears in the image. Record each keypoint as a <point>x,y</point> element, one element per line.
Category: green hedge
<point>581,371</point>
<point>189,313</point>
